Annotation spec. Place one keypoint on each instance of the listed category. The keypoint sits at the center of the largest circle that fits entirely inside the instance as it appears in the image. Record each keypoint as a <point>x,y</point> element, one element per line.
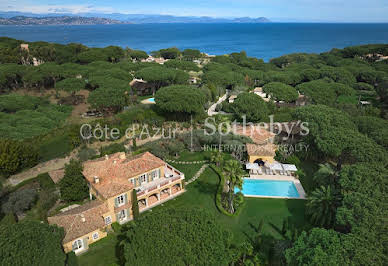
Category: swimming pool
<point>269,188</point>
<point>151,100</point>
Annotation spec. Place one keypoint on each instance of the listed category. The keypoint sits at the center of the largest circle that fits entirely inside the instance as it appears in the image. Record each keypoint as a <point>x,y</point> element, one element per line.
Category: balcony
<point>171,175</point>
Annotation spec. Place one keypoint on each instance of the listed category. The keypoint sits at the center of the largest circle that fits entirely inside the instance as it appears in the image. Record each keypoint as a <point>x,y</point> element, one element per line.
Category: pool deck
<point>298,185</point>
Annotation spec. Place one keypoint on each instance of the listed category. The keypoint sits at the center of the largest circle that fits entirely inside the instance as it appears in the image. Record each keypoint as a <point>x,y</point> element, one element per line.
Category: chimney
<point>106,157</point>
<point>114,162</point>
<point>96,179</point>
<point>83,218</point>
<point>122,156</point>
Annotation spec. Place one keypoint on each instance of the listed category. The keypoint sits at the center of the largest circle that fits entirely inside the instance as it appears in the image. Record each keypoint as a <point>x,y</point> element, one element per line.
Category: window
<point>155,174</point>
<point>122,215</point>
<point>108,220</point>
<point>143,178</point>
<point>132,180</point>
<point>120,200</point>
<point>77,245</point>
<point>95,235</point>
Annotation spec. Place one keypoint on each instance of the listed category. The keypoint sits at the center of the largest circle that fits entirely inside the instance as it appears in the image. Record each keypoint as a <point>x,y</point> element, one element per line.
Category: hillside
<point>62,20</point>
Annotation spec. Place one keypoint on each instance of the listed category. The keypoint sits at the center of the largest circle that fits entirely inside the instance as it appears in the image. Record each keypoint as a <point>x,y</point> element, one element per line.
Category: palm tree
<point>217,158</point>
<point>325,175</point>
<point>234,174</point>
<point>321,206</point>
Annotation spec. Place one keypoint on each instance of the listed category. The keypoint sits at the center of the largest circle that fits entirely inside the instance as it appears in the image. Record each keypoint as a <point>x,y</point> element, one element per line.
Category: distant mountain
<point>62,20</point>
<point>133,18</point>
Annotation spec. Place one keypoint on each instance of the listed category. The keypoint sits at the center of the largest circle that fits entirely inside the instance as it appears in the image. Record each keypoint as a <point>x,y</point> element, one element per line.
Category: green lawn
<point>201,194</point>
<point>101,253</point>
<point>190,169</point>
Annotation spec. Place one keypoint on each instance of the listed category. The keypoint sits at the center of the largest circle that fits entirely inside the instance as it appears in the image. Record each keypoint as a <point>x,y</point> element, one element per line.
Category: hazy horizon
<point>324,11</point>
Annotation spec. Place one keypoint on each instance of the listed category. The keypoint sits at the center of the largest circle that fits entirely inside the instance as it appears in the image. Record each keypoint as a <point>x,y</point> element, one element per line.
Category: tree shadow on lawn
<point>205,187</point>
<point>298,218</point>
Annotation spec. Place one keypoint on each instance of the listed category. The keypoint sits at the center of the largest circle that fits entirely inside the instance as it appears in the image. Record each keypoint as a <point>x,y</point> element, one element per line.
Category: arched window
<point>78,245</point>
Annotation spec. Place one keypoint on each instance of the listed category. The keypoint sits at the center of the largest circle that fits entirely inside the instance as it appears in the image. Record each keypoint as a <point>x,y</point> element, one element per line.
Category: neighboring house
<point>232,98</point>
<point>261,153</point>
<point>111,181</point>
<point>142,87</point>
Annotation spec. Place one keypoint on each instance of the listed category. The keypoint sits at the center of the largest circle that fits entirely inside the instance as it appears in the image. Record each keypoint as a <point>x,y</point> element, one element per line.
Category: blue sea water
<point>267,40</point>
<point>269,188</point>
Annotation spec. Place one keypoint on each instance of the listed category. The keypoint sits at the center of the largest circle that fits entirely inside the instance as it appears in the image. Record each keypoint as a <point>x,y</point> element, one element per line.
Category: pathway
<point>198,174</point>
<point>212,108</point>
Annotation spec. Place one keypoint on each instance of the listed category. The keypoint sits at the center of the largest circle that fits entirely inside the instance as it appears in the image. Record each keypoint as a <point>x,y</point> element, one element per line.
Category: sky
<point>276,10</point>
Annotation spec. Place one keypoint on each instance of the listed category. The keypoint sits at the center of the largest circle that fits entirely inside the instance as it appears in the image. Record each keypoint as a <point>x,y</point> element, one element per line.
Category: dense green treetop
<point>182,64</point>
<point>112,98</point>
<point>31,243</point>
<point>191,54</point>
<point>162,76</point>
<point>71,85</point>
<point>252,106</point>
<point>324,91</point>
<point>137,54</point>
<point>180,99</point>
<point>319,247</point>
<point>374,127</point>
<point>281,92</point>
<point>168,53</point>
<point>176,237</point>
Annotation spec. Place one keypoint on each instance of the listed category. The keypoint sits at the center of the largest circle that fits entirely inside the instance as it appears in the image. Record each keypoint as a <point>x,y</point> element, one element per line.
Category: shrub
<point>19,201</point>
<point>86,154</point>
<point>113,148</point>
<point>15,156</point>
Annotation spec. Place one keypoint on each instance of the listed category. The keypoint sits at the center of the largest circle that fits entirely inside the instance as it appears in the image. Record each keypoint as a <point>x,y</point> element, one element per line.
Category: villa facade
<point>113,180</point>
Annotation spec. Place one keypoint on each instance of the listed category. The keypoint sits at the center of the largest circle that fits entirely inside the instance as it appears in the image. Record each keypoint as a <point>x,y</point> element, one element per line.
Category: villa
<point>113,180</point>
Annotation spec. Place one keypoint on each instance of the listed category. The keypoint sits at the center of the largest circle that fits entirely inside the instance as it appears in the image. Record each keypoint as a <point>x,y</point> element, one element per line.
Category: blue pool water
<point>151,100</point>
<point>269,188</point>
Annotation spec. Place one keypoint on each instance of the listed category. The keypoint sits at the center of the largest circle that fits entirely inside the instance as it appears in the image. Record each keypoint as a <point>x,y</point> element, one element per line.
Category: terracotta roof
<point>257,134</point>
<point>57,175</point>
<point>114,171</point>
<point>261,150</point>
<point>82,220</point>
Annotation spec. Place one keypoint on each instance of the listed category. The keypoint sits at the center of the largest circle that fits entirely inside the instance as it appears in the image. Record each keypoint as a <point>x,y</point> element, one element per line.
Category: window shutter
<point>159,173</point>
<point>125,198</point>
<point>126,213</point>
<point>85,243</point>
<point>116,202</point>
<point>117,217</point>
<point>74,245</point>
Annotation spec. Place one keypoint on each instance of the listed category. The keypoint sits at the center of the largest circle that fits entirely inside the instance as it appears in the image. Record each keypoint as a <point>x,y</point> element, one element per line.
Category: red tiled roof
<point>57,175</point>
<point>257,134</point>
<point>261,150</point>
<point>115,170</point>
<point>73,223</point>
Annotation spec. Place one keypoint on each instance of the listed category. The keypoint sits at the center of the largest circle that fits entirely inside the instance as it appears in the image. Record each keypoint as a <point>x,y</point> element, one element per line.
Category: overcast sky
<point>276,10</point>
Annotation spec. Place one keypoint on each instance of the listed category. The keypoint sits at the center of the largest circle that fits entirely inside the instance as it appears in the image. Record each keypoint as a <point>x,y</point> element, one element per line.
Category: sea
<point>265,41</point>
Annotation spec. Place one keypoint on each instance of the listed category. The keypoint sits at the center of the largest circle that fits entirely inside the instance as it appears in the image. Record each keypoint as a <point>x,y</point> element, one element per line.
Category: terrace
<point>160,190</point>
